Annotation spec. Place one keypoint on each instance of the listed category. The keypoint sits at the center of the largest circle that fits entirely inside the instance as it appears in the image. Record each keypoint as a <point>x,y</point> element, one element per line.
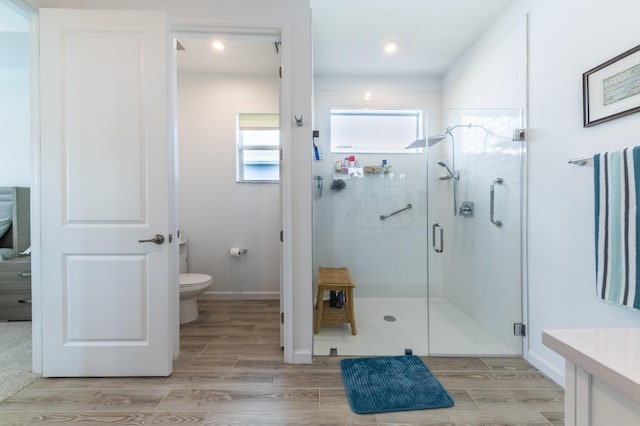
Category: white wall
<point>565,40</point>
<point>385,257</point>
<point>216,213</point>
<point>561,242</point>
<point>15,142</point>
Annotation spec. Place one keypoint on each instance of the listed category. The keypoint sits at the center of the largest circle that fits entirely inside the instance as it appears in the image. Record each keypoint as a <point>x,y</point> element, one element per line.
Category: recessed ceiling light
<point>217,45</point>
<point>390,47</point>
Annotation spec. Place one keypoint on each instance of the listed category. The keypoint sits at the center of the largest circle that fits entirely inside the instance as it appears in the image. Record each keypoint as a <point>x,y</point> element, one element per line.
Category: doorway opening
<point>15,212</point>
<point>228,103</point>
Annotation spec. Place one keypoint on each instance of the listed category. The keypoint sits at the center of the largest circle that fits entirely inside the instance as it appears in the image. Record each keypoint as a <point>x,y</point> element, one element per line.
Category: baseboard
<point>303,357</point>
<point>546,368</point>
<point>241,295</point>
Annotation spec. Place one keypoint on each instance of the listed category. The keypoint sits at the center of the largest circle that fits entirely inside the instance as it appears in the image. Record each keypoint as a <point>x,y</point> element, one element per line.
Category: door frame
<point>183,27</point>
<point>286,178</point>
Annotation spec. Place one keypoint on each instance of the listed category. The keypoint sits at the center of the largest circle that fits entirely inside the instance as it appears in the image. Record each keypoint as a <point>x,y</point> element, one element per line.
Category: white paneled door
<point>107,299</point>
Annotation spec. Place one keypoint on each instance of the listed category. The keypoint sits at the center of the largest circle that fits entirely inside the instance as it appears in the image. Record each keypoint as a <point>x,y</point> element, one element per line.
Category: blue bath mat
<point>391,383</point>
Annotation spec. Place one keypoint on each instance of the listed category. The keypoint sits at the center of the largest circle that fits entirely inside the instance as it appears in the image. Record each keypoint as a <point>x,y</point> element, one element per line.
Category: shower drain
<point>389,318</point>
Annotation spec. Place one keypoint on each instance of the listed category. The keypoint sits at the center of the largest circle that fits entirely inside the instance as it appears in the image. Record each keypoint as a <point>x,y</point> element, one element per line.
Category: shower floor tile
<point>376,336</point>
<point>454,332</point>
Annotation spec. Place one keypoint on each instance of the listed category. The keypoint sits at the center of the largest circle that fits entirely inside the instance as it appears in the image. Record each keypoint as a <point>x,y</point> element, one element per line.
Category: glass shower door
<point>475,220</point>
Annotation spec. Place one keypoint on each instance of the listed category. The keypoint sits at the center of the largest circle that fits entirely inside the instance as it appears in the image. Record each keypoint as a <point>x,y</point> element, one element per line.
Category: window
<point>258,157</point>
<point>374,131</point>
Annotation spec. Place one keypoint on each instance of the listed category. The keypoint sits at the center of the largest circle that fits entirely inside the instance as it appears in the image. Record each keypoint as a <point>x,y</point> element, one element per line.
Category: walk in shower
<point>432,238</point>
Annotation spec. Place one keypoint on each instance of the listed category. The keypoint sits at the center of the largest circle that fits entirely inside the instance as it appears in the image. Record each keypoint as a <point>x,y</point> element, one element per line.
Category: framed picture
<point>612,90</point>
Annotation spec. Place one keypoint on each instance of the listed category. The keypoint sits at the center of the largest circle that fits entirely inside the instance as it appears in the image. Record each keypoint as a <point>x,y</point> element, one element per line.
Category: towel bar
<point>580,161</point>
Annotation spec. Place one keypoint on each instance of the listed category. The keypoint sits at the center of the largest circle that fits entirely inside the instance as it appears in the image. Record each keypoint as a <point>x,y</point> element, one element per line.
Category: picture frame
<point>612,89</point>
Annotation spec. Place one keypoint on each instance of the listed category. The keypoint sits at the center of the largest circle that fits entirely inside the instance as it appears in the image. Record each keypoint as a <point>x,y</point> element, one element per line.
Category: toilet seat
<point>194,280</point>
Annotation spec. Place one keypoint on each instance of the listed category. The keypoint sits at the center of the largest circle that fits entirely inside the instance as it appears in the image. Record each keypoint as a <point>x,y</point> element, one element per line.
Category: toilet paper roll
<point>236,251</point>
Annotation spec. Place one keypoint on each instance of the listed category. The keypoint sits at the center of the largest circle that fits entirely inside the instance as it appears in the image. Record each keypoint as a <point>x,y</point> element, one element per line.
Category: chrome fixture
<point>456,177</point>
<point>466,209</point>
<point>452,175</point>
<point>519,135</point>
<point>580,161</point>
<point>432,140</point>
<point>492,197</point>
<point>437,226</point>
<point>157,239</point>
<point>383,217</point>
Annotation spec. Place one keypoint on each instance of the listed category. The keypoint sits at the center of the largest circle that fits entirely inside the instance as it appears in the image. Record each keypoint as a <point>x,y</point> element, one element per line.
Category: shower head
<point>418,143</point>
<point>443,164</point>
<point>452,175</point>
<point>432,140</point>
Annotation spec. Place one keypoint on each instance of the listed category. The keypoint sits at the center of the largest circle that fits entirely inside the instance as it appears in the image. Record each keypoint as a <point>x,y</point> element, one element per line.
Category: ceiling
<point>241,55</point>
<point>348,35</point>
<point>348,38</point>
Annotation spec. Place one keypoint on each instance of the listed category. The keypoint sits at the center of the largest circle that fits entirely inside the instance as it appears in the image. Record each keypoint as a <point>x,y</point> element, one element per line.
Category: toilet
<point>192,285</point>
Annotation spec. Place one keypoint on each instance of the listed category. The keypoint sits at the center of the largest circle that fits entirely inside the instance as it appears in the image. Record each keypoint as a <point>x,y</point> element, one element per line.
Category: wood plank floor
<point>230,372</point>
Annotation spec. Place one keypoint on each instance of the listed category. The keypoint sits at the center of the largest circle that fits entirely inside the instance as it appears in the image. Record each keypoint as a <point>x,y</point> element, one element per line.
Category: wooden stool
<point>335,279</point>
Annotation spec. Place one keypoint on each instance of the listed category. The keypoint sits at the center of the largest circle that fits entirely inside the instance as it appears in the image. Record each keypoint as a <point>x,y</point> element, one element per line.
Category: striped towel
<point>617,221</point>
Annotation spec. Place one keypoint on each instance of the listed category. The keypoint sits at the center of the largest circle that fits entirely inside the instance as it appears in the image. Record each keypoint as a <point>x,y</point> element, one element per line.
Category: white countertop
<point>612,355</point>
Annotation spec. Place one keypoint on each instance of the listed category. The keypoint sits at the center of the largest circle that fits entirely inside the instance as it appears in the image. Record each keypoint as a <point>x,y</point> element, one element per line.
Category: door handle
<point>492,197</point>
<point>433,238</point>
<point>157,239</point>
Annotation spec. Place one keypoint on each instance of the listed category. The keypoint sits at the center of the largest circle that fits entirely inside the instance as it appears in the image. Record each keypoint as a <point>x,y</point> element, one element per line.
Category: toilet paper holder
<point>235,251</point>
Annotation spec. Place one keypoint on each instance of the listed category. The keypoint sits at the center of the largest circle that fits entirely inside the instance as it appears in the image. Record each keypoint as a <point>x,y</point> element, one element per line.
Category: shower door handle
<point>492,197</point>
<point>437,226</point>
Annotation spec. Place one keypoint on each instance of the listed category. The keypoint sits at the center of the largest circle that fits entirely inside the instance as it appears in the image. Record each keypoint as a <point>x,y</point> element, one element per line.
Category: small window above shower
<point>374,131</point>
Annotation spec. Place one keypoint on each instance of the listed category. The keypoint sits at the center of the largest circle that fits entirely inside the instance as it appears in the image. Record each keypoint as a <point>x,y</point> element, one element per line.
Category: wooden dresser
<point>15,289</point>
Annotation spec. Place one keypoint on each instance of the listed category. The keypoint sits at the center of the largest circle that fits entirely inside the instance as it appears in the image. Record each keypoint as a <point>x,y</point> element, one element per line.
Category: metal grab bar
<point>383,217</point>
<point>433,238</point>
<point>497,223</point>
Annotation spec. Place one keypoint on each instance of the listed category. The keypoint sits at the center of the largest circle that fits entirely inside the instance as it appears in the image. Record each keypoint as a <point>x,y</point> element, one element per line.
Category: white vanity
<point>602,375</point>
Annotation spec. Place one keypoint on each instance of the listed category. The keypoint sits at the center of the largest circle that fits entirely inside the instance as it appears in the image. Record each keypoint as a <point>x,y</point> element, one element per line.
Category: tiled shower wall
<point>385,257</point>
<point>488,86</point>
<point>482,265</point>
